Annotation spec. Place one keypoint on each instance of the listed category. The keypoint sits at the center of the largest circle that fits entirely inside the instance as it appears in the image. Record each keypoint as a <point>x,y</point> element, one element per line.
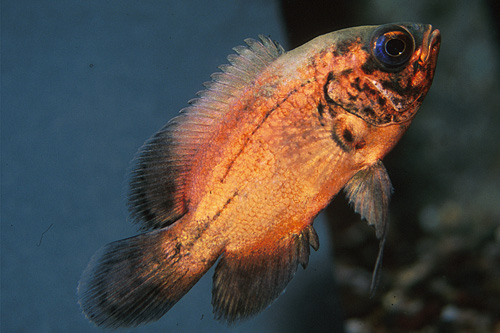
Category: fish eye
<point>392,46</point>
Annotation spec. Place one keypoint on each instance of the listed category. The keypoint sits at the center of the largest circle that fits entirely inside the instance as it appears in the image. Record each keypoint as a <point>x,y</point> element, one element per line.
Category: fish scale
<point>238,177</point>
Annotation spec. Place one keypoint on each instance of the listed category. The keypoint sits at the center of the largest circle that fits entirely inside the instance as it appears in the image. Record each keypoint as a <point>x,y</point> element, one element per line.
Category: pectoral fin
<point>369,193</point>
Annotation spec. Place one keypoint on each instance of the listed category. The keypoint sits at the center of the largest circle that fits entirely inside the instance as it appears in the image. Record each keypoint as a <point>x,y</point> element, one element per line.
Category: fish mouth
<point>431,43</point>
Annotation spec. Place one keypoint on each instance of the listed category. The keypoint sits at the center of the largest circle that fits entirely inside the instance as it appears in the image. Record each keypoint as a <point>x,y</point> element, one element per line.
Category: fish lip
<point>431,43</point>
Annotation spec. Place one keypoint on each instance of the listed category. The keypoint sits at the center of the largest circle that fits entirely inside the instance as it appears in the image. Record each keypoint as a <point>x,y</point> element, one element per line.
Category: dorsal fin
<point>369,192</point>
<point>158,184</point>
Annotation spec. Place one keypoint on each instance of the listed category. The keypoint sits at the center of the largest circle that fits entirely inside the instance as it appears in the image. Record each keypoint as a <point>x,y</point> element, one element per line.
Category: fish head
<point>383,81</point>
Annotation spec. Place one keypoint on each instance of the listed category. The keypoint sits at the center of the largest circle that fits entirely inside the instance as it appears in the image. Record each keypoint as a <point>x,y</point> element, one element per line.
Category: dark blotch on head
<point>346,72</point>
<point>321,112</point>
<point>416,66</point>
<point>325,88</point>
<point>321,109</point>
<point>369,90</point>
<point>360,144</point>
<point>340,143</point>
<point>397,101</point>
<point>393,86</point>
<point>407,93</point>
<point>369,112</point>
<point>347,135</point>
<point>343,47</point>
<point>369,67</point>
<point>355,84</point>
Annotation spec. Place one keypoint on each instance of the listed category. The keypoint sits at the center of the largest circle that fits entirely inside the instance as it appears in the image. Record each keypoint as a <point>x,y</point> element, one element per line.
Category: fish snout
<point>431,44</point>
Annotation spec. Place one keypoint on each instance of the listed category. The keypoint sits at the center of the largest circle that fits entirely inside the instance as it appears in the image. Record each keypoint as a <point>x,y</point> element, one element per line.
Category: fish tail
<point>138,279</point>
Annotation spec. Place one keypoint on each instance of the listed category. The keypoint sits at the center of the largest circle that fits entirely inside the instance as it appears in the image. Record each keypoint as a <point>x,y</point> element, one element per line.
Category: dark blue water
<point>84,84</point>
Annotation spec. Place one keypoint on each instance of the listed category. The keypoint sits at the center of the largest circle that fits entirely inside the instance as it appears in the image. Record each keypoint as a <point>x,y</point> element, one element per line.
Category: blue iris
<point>393,47</point>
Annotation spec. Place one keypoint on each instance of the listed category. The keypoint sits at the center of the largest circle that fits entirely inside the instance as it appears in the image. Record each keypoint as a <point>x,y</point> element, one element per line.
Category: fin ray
<point>158,187</point>
<point>369,193</point>
<point>138,279</point>
<point>245,284</point>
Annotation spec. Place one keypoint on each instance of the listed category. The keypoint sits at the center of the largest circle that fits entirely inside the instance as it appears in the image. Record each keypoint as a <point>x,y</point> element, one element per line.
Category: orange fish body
<point>240,174</point>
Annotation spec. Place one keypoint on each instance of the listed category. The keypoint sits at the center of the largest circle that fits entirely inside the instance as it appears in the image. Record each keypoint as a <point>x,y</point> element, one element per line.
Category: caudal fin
<point>138,279</point>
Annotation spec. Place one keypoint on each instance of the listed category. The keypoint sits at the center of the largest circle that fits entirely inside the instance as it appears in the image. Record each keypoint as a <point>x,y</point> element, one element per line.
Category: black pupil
<point>395,47</point>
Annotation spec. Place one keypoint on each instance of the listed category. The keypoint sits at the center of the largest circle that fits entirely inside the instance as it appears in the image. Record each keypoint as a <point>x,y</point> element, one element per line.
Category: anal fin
<point>245,283</point>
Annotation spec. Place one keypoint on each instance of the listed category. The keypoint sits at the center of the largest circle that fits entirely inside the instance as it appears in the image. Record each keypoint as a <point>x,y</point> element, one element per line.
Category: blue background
<point>86,82</point>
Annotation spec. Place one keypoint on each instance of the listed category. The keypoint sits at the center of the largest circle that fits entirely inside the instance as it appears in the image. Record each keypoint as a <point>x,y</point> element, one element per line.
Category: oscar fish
<point>237,178</point>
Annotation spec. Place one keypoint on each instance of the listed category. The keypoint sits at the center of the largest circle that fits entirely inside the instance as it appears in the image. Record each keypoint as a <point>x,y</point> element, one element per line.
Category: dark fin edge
<point>245,284</point>
<point>369,192</point>
<point>157,195</point>
<point>137,280</point>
